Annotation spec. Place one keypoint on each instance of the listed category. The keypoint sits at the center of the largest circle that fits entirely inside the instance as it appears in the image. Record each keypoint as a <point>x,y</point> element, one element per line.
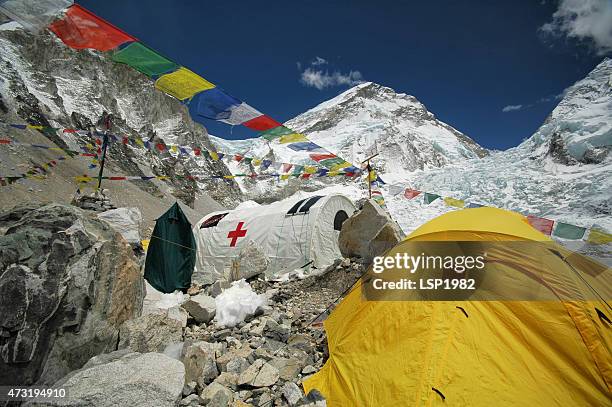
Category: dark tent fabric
<point>172,252</point>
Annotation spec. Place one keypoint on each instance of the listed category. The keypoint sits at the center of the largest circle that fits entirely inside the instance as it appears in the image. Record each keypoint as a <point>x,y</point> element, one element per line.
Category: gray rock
<point>292,393</point>
<point>67,283</point>
<point>308,370</point>
<point>217,288</point>
<point>243,353</point>
<point>237,365</point>
<point>125,379</point>
<point>259,374</point>
<point>150,333</point>
<point>192,400</point>
<point>216,395</point>
<point>201,307</point>
<point>252,261</point>
<point>200,363</point>
<point>189,388</point>
<point>368,233</point>
<point>288,368</point>
<point>179,314</point>
<point>276,331</point>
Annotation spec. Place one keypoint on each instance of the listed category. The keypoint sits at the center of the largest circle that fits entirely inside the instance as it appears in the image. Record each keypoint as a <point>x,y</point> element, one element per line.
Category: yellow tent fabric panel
<point>182,84</point>
<point>502,353</point>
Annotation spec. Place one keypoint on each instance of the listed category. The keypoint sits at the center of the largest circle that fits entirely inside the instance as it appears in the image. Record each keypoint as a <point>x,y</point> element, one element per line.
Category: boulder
<point>179,314</point>
<point>252,261</point>
<point>67,283</point>
<point>126,221</point>
<point>124,378</point>
<point>216,395</point>
<point>276,331</point>
<point>150,333</point>
<point>288,368</point>
<point>245,353</point>
<point>292,393</point>
<point>192,400</point>
<point>259,374</point>
<point>201,307</point>
<point>368,233</point>
<point>200,363</point>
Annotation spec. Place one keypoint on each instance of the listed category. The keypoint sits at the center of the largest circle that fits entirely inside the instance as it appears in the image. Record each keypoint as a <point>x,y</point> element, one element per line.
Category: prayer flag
<point>182,84</point>
<point>567,231</point>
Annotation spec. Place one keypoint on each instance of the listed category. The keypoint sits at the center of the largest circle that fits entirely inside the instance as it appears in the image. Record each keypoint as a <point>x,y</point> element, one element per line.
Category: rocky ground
<point>80,320</point>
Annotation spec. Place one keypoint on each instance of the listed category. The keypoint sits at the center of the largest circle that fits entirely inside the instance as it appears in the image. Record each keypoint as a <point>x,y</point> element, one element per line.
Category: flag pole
<point>107,122</point>
<point>369,168</point>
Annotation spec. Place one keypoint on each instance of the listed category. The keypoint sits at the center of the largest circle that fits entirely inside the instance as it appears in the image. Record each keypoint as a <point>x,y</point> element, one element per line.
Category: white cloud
<point>318,61</point>
<point>589,20</point>
<point>511,108</point>
<point>324,79</point>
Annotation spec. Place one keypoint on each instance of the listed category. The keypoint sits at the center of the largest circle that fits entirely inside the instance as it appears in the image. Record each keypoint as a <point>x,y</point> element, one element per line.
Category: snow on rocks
<point>236,303</point>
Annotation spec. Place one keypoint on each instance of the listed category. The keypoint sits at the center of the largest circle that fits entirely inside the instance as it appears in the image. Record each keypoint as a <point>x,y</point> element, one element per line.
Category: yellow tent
<point>477,353</point>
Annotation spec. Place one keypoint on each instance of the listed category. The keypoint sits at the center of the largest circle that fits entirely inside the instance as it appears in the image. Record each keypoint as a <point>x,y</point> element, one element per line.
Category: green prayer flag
<point>275,133</point>
<point>144,59</point>
<point>567,231</point>
<point>429,198</point>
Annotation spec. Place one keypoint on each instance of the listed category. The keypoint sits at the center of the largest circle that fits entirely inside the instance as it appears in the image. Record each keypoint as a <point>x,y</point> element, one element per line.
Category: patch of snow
<point>234,304</point>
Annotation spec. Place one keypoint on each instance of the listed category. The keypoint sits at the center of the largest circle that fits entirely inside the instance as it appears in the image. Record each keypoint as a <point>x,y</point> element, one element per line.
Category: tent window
<point>295,207</point>
<point>339,219</point>
<point>212,221</point>
<point>306,207</point>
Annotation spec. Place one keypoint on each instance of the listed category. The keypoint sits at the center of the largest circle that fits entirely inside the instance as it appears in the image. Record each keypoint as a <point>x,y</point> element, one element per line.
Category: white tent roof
<point>293,234</point>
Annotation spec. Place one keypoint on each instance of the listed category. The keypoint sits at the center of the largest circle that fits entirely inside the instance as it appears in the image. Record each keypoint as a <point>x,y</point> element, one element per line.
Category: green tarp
<point>144,59</point>
<point>172,252</point>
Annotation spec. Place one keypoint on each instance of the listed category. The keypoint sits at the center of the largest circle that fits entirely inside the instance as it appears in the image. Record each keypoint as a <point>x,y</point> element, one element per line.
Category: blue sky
<point>465,60</point>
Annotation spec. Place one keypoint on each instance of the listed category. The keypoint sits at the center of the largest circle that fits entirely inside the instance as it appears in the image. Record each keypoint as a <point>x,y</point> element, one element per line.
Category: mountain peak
<point>372,117</point>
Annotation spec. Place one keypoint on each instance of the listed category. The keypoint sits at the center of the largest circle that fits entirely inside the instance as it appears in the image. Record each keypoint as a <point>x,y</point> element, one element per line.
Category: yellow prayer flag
<point>31,126</point>
<point>174,149</point>
<point>457,203</point>
<point>292,138</point>
<point>599,237</point>
<point>182,84</point>
<point>284,176</point>
<point>340,166</point>
<point>310,169</point>
<point>83,179</point>
<point>140,142</point>
<point>256,161</point>
<point>214,155</point>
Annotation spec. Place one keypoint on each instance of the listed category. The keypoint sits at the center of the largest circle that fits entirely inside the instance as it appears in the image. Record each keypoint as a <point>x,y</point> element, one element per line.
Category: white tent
<point>293,234</point>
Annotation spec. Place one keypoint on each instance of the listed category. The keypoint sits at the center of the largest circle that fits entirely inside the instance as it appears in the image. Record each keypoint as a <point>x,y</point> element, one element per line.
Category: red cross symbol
<point>235,234</point>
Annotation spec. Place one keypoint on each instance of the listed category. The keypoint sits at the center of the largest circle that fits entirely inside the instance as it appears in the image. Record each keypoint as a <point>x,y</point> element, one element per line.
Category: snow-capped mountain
<point>562,172</point>
<point>364,120</point>
<point>579,129</point>
<point>44,82</point>
<point>371,118</point>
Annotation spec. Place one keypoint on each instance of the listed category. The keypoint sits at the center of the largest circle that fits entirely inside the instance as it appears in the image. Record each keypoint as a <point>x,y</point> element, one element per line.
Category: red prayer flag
<point>81,29</point>
<point>542,224</point>
<point>238,157</point>
<point>125,140</point>
<point>261,123</point>
<point>160,146</point>
<point>320,157</point>
<point>70,131</point>
<point>197,151</point>
<point>306,176</point>
<point>5,141</point>
<point>411,193</point>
